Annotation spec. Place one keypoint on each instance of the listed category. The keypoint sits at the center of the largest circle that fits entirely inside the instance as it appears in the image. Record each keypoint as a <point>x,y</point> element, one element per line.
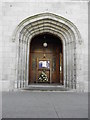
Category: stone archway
<point>54,24</point>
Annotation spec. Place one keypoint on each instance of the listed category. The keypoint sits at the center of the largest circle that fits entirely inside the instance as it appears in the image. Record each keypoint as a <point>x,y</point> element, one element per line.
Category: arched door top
<point>47,23</point>
<point>45,20</point>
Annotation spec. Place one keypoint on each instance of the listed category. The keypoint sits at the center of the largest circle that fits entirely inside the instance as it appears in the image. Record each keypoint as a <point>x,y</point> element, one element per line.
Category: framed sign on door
<point>43,70</point>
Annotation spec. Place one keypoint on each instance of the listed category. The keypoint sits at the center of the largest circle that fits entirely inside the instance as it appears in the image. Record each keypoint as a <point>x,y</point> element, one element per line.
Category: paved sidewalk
<point>29,104</point>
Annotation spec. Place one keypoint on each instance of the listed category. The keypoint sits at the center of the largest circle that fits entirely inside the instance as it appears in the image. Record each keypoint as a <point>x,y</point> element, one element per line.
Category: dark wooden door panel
<point>54,64</point>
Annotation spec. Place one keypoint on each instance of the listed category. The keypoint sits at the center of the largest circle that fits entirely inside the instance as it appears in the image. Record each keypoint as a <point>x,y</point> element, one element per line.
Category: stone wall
<point>14,12</point>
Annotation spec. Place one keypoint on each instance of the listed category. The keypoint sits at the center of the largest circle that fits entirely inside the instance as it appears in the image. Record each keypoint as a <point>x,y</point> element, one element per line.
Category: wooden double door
<point>52,70</point>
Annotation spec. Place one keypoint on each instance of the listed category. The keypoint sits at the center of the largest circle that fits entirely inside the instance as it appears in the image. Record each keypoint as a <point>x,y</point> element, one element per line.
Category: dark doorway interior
<point>46,59</point>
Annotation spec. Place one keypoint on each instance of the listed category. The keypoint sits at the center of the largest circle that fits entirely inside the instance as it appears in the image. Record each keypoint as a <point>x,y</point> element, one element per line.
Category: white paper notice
<point>44,64</point>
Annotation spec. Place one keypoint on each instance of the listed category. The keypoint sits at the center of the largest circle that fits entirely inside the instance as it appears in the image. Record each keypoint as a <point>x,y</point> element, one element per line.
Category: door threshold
<point>45,85</point>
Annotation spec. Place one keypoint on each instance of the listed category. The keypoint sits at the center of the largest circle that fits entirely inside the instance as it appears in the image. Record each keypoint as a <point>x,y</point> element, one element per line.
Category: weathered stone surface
<point>14,13</point>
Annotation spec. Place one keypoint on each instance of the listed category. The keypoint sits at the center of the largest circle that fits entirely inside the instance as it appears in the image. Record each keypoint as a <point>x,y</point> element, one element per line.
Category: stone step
<point>46,88</point>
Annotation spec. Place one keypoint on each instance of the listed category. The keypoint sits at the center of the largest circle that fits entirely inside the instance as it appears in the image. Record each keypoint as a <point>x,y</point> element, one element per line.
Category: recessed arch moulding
<point>53,24</point>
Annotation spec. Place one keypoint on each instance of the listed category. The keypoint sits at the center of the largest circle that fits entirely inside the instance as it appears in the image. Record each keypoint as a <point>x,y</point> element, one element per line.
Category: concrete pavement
<point>33,104</point>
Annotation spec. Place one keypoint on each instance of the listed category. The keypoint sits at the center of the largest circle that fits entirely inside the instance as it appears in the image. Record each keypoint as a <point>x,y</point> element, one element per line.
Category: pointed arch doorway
<point>46,59</point>
<point>24,35</point>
